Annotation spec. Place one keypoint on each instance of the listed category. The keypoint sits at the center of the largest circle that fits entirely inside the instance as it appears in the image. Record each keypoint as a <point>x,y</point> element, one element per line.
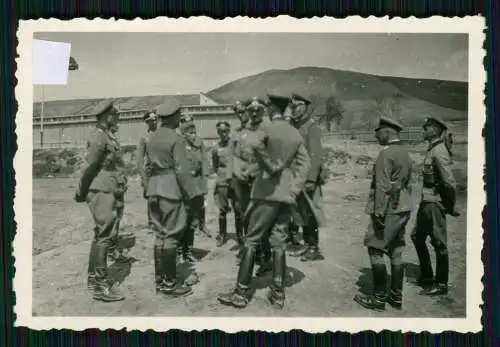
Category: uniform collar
<point>434,143</point>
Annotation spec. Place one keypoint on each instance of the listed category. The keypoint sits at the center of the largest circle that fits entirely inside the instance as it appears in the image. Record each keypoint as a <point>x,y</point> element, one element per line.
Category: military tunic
<point>170,186</point>
<point>198,168</point>
<point>223,192</point>
<point>390,198</point>
<point>284,163</point>
<point>100,185</point>
<point>311,211</point>
<point>438,199</point>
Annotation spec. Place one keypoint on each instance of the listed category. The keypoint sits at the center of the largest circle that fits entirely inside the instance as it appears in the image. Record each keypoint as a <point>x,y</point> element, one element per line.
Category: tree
<point>334,112</point>
<point>389,107</point>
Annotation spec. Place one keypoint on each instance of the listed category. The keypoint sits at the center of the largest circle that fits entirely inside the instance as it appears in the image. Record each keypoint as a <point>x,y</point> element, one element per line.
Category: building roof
<point>86,106</point>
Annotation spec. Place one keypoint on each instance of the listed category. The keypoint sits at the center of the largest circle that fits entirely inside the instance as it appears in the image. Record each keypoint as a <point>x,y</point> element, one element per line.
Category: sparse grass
<point>62,230</point>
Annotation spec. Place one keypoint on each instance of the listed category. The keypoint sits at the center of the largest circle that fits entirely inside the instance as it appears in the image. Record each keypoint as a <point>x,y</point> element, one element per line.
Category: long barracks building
<point>67,124</point>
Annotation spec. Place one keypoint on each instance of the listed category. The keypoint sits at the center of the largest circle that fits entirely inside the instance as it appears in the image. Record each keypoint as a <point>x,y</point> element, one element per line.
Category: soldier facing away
<point>389,206</point>
<point>197,158</point>
<point>311,134</point>
<point>143,165</point>
<point>282,162</point>
<point>223,191</point>
<point>169,192</point>
<point>99,187</point>
<point>438,199</point>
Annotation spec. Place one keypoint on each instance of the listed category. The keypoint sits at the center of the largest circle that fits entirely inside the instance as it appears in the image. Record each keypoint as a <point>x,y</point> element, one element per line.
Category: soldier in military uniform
<point>170,191</point>
<point>115,251</point>
<point>311,134</point>
<point>143,166</point>
<point>438,200</point>
<point>241,157</point>
<point>196,155</point>
<point>282,162</point>
<point>389,206</point>
<point>99,187</point>
<point>223,192</point>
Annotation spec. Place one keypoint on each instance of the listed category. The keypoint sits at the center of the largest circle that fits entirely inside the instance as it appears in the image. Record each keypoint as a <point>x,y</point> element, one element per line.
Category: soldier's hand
<point>379,221</point>
<point>310,188</point>
<point>454,213</point>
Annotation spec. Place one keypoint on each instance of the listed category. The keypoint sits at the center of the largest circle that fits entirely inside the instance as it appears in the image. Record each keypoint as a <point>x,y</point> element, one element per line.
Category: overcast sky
<point>136,64</point>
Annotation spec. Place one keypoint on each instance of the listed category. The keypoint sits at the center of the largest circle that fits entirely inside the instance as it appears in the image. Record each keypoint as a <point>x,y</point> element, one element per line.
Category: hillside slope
<point>357,91</point>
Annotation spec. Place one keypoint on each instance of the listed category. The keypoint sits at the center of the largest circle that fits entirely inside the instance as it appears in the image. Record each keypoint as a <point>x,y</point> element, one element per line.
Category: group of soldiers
<point>269,172</point>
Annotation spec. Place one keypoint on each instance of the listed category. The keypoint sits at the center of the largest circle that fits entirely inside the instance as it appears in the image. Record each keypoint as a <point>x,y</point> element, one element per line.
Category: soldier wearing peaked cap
<point>223,192</point>
<point>282,164</point>
<point>389,206</point>
<point>241,158</point>
<point>99,187</point>
<point>170,190</point>
<point>143,165</point>
<point>279,108</point>
<point>309,203</point>
<point>438,199</point>
<point>198,161</point>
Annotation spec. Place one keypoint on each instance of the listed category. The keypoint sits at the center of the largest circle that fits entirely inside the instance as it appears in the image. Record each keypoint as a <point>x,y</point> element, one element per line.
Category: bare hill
<point>357,91</point>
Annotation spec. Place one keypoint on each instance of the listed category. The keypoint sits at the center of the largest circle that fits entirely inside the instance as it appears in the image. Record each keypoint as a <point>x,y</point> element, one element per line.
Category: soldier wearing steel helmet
<point>99,187</point>
<point>438,200</point>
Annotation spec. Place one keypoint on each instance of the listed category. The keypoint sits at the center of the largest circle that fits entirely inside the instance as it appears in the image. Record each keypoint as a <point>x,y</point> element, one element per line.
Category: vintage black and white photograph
<point>218,173</point>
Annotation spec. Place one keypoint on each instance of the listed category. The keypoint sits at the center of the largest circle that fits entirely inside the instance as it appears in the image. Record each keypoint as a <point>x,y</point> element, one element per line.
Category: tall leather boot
<point>265,255</point>
<point>395,298</point>
<point>158,256</point>
<point>103,290</point>
<point>426,277</point>
<point>442,274</point>
<point>293,234</point>
<point>187,253</point>
<point>306,235</point>
<point>313,253</point>
<point>91,282</point>
<point>377,300</point>
<point>276,293</point>
<point>222,236</point>
<point>170,284</point>
<point>239,230</point>
<point>238,297</point>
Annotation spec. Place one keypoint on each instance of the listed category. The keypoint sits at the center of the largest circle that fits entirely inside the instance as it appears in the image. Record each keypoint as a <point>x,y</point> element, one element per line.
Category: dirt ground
<point>62,232</point>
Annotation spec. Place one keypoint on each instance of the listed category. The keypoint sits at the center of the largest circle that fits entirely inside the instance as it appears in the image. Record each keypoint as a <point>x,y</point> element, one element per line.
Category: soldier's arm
<point>182,168</point>
<point>443,164</point>
<point>96,151</point>
<point>230,158</point>
<point>262,156</point>
<point>383,185</point>
<point>140,155</point>
<point>215,160</point>
<point>315,152</point>
<point>301,166</point>
<point>204,160</point>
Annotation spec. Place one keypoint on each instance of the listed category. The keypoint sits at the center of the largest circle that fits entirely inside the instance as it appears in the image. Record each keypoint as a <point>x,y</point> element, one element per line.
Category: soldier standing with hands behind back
<point>283,163</point>
<point>98,186</point>
<point>389,206</point>
<point>438,200</point>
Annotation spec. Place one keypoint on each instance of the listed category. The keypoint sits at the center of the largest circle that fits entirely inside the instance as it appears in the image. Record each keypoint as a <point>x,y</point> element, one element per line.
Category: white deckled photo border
<point>22,246</point>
